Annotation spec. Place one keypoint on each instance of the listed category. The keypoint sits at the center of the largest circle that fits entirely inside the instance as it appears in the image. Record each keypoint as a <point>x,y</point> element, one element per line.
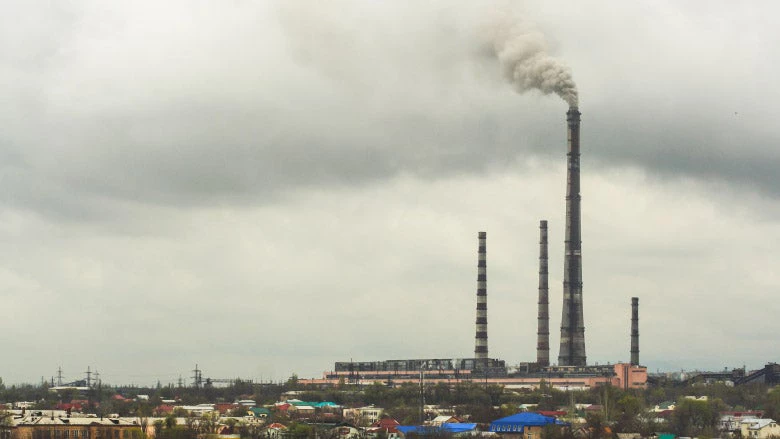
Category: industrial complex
<point>571,371</point>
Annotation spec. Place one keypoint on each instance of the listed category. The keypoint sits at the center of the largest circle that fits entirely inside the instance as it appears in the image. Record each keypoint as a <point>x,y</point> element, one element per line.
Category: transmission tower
<point>197,378</point>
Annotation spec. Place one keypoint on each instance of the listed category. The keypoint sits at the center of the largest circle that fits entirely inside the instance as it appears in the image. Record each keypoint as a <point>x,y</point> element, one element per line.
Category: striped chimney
<point>481,340</point>
<point>543,328</point>
<point>635,331</point>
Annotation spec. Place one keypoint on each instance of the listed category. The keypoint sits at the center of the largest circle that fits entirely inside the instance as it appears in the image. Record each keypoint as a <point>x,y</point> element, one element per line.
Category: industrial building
<point>571,371</point>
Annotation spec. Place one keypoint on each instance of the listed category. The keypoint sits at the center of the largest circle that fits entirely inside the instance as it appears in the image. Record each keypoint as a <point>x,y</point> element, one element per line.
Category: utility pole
<point>197,377</point>
<point>423,365</point>
<point>89,377</point>
<point>59,376</point>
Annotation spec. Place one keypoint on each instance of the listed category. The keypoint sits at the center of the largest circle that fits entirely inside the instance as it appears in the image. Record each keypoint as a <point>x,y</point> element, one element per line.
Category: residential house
<point>459,429</point>
<point>666,405</point>
<point>275,431</point>
<point>759,428</point>
<point>439,420</point>
<point>523,425</point>
<point>197,410</point>
<point>301,411</point>
<point>363,415</point>
<point>731,421</point>
<point>163,410</point>
<point>386,425</point>
<point>260,412</point>
<point>552,413</point>
<point>36,425</point>
<point>225,408</point>
<point>345,430</point>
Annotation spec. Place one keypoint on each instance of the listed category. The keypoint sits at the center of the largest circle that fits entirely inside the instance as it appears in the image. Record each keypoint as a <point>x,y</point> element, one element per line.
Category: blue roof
<point>517,422</point>
<point>452,427</point>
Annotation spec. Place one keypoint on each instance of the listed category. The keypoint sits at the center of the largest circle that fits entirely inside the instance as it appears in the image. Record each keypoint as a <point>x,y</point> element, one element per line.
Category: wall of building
<point>49,431</point>
<point>625,376</point>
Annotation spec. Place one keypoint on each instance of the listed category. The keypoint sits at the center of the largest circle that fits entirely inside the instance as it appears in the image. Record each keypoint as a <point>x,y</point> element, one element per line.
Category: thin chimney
<point>543,317</point>
<point>481,339</point>
<point>635,331</point>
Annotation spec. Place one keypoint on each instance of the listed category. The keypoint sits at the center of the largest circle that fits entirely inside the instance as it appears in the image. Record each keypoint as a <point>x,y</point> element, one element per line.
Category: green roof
<point>260,411</point>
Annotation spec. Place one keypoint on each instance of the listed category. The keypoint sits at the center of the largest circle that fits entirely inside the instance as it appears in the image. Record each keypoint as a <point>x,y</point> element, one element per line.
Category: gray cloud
<point>240,104</point>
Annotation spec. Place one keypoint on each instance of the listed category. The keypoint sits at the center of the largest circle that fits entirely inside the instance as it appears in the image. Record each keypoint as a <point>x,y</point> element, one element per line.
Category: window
<point>66,434</point>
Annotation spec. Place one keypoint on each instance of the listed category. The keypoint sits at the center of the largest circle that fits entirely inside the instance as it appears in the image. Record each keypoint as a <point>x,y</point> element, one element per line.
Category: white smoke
<point>522,52</point>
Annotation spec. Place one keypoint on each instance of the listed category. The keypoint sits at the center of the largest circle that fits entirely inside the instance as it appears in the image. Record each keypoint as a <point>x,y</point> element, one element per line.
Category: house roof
<point>47,420</point>
<point>224,407</point>
<point>758,424</point>
<point>326,404</point>
<point>743,413</point>
<point>519,421</point>
<point>388,424</point>
<point>343,424</point>
<point>164,408</point>
<point>552,413</point>
<point>446,428</point>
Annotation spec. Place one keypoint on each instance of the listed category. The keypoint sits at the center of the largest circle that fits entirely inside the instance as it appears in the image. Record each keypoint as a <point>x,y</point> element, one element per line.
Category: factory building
<point>571,371</point>
<point>622,375</point>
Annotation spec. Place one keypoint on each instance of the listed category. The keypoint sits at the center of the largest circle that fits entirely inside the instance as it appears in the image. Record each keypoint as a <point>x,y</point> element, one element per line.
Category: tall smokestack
<point>481,341</point>
<point>635,331</point>
<point>543,328</point>
<point>572,352</point>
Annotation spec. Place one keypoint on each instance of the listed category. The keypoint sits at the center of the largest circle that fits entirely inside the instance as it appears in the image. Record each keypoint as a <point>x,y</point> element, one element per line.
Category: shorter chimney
<point>543,316</point>
<point>635,331</point>
<point>481,338</point>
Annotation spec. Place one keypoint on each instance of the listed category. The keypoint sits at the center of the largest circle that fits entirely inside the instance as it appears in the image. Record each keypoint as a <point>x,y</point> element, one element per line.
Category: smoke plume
<point>522,52</point>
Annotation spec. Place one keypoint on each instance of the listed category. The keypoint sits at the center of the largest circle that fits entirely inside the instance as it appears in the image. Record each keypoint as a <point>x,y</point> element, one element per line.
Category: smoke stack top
<point>522,52</point>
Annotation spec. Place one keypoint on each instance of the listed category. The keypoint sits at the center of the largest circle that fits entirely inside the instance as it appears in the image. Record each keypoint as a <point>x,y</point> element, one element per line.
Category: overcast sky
<point>264,188</point>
